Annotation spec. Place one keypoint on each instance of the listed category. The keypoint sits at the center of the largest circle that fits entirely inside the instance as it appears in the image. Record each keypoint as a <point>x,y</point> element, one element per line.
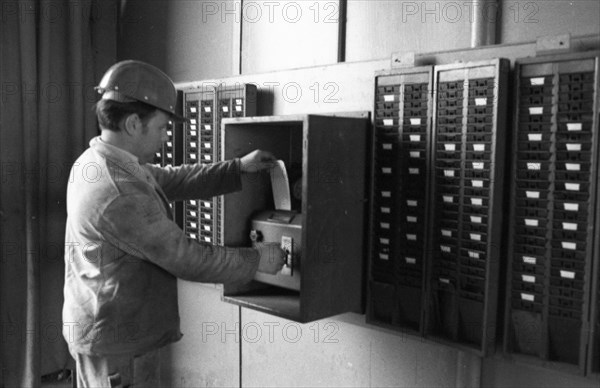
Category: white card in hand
<point>281,187</point>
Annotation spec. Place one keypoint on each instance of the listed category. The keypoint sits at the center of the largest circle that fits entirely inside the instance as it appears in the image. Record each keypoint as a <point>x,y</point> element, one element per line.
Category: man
<point>123,250</point>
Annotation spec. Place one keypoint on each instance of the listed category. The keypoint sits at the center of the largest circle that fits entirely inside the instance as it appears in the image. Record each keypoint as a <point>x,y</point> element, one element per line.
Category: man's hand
<point>257,160</point>
<point>272,257</point>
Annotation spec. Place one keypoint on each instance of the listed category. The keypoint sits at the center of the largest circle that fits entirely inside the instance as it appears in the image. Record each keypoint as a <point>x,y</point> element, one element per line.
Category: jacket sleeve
<point>193,181</point>
<point>137,225</point>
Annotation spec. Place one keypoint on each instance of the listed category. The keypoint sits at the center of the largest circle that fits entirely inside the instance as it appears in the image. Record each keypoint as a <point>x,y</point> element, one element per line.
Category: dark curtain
<point>51,55</point>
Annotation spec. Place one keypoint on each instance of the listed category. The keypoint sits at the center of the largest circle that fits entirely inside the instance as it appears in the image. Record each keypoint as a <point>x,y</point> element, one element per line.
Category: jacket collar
<point>124,159</point>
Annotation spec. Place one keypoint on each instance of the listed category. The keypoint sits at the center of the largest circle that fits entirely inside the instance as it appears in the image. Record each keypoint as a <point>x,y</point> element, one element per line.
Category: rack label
<point>537,81</point>
<point>529,260</point>
<point>567,274</point>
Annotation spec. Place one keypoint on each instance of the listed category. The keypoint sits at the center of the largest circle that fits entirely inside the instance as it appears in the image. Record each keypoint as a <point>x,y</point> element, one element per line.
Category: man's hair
<point>110,112</point>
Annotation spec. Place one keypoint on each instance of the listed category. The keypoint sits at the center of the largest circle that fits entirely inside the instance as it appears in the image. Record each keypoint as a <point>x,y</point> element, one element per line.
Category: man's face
<point>154,134</point>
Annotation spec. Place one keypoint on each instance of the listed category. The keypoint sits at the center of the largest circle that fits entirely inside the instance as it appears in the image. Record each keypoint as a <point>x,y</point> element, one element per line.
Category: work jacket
<point>124,252</point>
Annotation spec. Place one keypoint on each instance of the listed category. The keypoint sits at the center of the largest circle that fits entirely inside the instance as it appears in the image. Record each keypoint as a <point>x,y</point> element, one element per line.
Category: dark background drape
<point>52,53</point>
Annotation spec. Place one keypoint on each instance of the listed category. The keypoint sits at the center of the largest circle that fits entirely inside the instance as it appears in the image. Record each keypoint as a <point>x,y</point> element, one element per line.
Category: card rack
<point>205,108</point>
<point>171,154</point>
<point>403,108</point>
<point>552,309</point>
<point>467,185</point>
<point>436,201</point>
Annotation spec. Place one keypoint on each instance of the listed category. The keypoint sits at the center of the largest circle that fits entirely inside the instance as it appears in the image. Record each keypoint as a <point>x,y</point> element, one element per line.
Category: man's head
<point>138,100</point>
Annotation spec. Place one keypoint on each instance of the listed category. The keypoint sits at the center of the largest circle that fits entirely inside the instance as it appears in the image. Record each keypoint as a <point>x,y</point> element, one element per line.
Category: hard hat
<point>131,80</point>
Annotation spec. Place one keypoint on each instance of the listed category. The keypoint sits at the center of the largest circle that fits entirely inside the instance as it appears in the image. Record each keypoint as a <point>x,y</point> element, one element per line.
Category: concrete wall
<point>224,345</point>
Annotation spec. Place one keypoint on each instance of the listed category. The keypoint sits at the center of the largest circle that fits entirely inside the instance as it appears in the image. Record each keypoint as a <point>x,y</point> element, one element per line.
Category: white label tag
<point>569,245</point>
<point>207,228</point>
<point>384,241</point>
<point>444,280</point>
<point>567,274</point>
<point>449,173</point>
<point>411,237</point>
<point>527,297</point>
<point>534,136</point>
<point>415,137</point>
<point>238,108</point>
<point>475,236</point>
<point>385,210</point>
<point>537,81</point>
<point>225,108</point>
<point>534,166</point>
<point>477,183</point>
<point>386,170</point>
<point>389,97</point>
<point>386,194</point>
<point>480,101</point>
<point>533,194</point>
<point>386,146</point>
<point>207,109</point>
<point>411,219</point>
<point>572,186</point>
<point>477,201</point>
<point>573,166</point>
<point>476,219</point>
<point>446,233</point>
<point>530,222</point>
<point>415,154</point>
<point>384,256</point>
<point>478,165</point>
<point>411,260</point>
<point>537,110</point>
<point>569,226</point>
<point>413,171</point>
<point>207,127</point>
<point>384,225</point>
<point>207,204</point>
<point>411,202</point>
<point>388,122</point>
<point>573,147</point>
<point>445,248</point>
<point>528,278</point>
<point>529,260</point>
<point>574,126</point>
<point>572,207</point>
<point>474,255</point>
<point>448,198</point>
<point>193,109</point>
<point>450,147</point>
<point>415,121</point>
<point>478,147</point>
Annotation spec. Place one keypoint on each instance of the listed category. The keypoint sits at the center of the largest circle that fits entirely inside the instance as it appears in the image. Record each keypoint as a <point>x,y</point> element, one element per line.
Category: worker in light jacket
<point>124,252</point>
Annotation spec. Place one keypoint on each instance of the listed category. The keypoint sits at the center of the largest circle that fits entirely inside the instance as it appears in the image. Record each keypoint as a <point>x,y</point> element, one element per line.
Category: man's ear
<point>132,124</point>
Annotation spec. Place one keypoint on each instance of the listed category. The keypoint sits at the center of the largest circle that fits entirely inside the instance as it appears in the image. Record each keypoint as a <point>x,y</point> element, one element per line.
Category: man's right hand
<point>272,257</point>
